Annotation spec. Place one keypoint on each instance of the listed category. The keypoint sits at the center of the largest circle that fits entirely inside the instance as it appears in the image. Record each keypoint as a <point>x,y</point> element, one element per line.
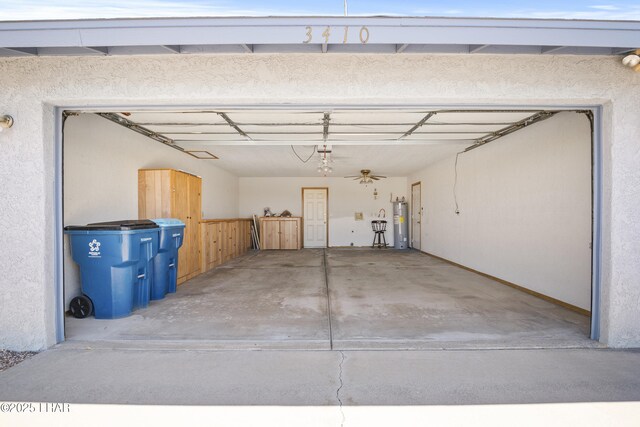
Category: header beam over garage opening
<point>317,34</point>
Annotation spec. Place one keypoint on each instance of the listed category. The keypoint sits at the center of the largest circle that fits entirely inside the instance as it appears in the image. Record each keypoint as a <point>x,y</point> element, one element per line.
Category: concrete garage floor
<point>182,350</point>
<point>378,299</point>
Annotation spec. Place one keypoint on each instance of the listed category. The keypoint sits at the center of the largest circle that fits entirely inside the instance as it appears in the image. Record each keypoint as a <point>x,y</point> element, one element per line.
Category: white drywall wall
<point>525,208</point>
<point>346,197</point>
<point>37,85</point>
<point>101,162</point>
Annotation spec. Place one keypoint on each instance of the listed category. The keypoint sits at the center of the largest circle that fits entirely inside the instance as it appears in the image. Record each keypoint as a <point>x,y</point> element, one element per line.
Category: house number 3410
<point>364,35</point>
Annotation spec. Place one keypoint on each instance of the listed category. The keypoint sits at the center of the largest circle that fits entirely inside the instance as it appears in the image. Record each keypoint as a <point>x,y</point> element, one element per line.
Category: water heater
<point>400,225</point>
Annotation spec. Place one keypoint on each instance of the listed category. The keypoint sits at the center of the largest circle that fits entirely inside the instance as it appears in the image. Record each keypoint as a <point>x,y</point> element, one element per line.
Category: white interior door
<point>416,216</point>
<point>314,201</point>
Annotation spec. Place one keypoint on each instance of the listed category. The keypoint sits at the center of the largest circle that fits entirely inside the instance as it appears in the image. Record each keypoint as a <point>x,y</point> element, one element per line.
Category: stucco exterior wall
<point>32,86</point>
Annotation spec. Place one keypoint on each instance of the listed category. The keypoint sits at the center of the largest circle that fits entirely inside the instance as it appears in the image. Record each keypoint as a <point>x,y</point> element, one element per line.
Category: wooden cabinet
<point>223,240</point>
<point>168,193</point>
<point>280,233</point>
<point>211,245</point>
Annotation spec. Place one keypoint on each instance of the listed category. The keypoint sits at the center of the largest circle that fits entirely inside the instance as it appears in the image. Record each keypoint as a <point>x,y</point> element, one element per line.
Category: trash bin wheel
<point>81,307</point>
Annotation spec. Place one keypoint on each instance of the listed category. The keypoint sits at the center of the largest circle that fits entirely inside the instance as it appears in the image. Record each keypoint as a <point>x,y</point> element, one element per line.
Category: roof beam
<point>401,47</point>
<point>624,50</point>
<point>551,49</point>
<point>31,51</point>
<point>171,48</point>
<point>290,31</point>
<point>102,50</point>
<point>475,48</point>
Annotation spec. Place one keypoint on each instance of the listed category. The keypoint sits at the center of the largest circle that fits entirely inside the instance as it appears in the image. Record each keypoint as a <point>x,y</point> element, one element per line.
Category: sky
<point>85,9</point>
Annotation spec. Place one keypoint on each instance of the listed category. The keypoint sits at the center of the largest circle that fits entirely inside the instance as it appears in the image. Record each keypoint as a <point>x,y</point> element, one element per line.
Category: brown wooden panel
<point>167,193</point>
<point>194,207</point>
<point>289,230</point>
<point>166,208</point>
<point>180,191</point>
<point>236,239</point>
<point>226,253</point>
<point>218,244</point>
<point>270,235</point>
<point>142,195</point>
<point>205,250</point>
<point>157,193</point>
<point>154,195</point>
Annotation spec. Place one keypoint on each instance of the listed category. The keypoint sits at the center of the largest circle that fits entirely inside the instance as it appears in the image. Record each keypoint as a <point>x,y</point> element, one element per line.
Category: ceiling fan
<point>366,177</point>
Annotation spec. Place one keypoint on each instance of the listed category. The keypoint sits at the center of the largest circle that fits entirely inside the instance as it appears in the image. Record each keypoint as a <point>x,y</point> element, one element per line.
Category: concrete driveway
<point>193,376</point>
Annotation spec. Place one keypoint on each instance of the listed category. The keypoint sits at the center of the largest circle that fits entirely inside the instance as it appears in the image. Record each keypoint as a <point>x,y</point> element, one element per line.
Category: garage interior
<point>499,219</point>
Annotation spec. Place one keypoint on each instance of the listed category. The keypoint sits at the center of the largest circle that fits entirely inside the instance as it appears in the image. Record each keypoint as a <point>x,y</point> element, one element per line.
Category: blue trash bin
<point>165,264</point>
<point>115,263</point>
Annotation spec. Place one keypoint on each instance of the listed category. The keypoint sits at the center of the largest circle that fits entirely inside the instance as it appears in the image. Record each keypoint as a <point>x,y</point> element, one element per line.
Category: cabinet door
<point>289,234</point>
<point>270,234</point>
<point>194,207</point>
<point>154,194</point>
<point>180,202</point>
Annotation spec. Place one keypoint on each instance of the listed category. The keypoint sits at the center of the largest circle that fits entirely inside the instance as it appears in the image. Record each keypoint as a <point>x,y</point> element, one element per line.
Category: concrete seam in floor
<point>326,284</point>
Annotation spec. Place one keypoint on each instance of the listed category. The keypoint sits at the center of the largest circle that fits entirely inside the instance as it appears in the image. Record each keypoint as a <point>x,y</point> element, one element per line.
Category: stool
<point>379,227</point>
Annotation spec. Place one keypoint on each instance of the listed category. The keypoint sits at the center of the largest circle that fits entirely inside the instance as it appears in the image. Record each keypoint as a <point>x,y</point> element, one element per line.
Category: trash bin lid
<point>168,222</point>
<point>122,225</point>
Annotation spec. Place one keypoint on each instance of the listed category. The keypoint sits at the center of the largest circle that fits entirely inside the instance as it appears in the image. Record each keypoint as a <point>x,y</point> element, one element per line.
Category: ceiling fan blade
<point>378,176</point>
<point>352,176</point>
<point>374,177</point>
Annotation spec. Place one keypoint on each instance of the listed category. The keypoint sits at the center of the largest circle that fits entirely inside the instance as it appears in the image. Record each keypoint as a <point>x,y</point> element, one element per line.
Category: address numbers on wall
<point>326,34</point>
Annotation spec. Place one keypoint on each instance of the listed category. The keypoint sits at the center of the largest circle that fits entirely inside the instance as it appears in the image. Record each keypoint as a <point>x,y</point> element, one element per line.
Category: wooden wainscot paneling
<point>224,240</point>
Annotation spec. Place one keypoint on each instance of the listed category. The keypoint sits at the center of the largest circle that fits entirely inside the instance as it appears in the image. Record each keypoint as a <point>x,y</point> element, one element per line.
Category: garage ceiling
<point>273,142</point>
